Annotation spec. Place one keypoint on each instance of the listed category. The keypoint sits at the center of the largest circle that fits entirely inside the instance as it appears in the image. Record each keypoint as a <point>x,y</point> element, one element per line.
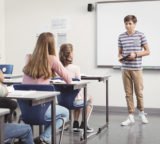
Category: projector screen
<point>110,24</point>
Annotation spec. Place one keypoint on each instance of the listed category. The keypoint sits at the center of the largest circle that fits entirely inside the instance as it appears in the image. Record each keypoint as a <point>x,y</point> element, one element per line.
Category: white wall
<point>2,31</point>
<point>23,18</point>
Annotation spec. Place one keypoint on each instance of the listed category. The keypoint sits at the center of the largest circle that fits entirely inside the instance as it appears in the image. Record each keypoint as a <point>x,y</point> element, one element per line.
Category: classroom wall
<point>2,31</point>
<point>24,18</point>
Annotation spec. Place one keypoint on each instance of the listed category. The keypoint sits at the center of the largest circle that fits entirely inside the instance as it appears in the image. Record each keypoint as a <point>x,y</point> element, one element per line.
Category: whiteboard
<point>110,24</point>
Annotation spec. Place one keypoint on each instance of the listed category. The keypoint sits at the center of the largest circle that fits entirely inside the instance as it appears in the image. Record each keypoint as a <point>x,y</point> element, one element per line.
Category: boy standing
<point>132,44</point>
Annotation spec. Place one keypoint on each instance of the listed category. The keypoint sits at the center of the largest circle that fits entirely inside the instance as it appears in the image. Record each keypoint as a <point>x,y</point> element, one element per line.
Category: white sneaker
<point>130,120</point>
<point>143,117</point>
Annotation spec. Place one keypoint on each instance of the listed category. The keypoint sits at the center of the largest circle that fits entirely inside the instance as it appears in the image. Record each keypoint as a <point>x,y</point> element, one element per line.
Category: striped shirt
<point>131,43</point>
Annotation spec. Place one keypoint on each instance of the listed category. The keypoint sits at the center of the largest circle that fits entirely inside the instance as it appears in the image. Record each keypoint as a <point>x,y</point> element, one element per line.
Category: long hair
<point>65,54</point>
<point>38,64</point>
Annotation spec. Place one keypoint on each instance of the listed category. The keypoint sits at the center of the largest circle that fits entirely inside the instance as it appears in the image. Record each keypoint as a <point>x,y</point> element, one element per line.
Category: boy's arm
<point>145,52</point>
<point>119,54</point>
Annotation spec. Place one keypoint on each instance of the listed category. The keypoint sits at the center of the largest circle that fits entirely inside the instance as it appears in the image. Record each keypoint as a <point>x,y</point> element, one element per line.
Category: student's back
<point>40,67</point>
<point>55,65</point>
<point>66,57</point>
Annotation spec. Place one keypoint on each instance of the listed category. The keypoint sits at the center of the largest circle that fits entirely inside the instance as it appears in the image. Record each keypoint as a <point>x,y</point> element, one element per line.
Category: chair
<point>6,68</point>
<point>67,97</point>
<point>34,115</point>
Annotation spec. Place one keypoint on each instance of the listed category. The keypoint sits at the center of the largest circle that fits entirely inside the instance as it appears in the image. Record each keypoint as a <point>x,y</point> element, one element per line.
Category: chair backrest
<point>33,115</point>
<point>6,68</point>
<point>67,96</point>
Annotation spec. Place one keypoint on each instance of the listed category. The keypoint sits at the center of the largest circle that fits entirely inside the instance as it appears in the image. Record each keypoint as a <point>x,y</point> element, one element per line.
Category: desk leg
<point>84,114</point>
<point>107,107</point>
<point>1,130</point>
<point>107,111</point>
<point>53,124</point>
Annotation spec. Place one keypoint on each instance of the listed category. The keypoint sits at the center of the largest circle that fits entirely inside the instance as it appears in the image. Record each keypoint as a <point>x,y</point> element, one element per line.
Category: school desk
<point>36,98</point>
<point>101,78</point>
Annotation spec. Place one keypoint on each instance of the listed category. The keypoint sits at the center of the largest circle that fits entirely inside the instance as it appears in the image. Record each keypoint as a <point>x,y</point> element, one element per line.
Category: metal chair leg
<point>41,129</point>
<point>63,124</point>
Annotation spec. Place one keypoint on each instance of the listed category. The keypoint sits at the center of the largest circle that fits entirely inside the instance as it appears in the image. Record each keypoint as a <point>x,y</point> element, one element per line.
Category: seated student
<point>4,102</point>
<point>66,57</point>
<point>12,130</point>
<point>41,65</point>
<point>19,131</point>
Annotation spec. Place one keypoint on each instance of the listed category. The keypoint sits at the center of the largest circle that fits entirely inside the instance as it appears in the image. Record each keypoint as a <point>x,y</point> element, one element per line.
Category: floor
<point>135,134</point>
<point>115,134</point>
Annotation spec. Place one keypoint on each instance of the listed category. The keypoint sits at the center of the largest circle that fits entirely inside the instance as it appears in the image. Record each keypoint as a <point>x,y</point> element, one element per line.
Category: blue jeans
<point>46,135</point>
<point>20,131</point>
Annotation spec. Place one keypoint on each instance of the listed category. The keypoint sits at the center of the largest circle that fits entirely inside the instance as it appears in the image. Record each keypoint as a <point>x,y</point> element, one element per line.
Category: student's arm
<point>119,50</point>
<point>60,70</point>
<point>145,47</point>
<point>145,52</point>
<point>1,76</point>
<point>120,54</point>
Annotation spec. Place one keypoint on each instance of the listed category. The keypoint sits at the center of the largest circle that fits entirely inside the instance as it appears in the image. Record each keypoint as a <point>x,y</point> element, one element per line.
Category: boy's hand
<point>132,56</point>
<point>119,58</point>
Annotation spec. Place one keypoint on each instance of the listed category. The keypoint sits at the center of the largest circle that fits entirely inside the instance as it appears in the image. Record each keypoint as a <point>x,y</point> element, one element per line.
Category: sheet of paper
<point>58,81</point>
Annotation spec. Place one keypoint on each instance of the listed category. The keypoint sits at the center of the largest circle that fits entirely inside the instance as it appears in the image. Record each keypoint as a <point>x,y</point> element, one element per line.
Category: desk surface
<point>4,111</point>
<point>19,81</point>
<point>11,81</point>
<point>74,84</point>
<point>8,76</point>
<point>95,77</point>
<point>32,95</point>
<point>40,97</point>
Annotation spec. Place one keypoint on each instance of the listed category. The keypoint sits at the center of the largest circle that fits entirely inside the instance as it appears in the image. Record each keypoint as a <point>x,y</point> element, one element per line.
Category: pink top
<point>56,66</point>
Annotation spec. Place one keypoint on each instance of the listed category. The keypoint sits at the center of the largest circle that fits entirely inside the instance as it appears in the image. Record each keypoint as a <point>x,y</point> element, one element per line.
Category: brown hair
<point>64,54</point>
<point>130,18</point>
<point>38,65</point>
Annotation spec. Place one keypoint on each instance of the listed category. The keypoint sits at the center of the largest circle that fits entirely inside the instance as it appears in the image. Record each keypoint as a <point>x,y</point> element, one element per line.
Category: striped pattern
<point>132,43</point>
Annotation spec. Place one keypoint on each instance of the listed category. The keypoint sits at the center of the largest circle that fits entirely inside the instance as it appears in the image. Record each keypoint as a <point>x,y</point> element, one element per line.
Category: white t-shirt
<point>74,72</point>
